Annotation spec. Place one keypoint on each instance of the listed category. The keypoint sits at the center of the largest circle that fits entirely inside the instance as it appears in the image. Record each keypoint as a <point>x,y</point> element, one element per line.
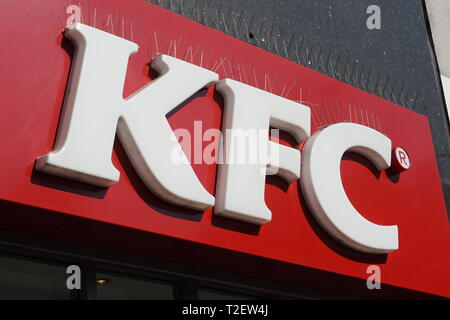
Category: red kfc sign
<point>355,181</point>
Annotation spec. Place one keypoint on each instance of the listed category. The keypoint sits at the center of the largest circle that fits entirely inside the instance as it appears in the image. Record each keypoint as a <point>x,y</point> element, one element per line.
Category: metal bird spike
<point>293,46</point>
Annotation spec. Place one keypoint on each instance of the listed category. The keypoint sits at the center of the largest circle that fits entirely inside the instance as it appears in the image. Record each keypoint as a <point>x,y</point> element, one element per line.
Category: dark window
<point>113,287</point>
<point>26,279</point>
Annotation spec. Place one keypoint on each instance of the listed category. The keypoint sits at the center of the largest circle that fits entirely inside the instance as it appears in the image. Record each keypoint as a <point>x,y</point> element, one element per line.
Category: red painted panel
<point>34,67</point>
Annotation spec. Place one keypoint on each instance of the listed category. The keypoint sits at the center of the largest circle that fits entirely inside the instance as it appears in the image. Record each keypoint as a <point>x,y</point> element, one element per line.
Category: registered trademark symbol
<point>400,159</point>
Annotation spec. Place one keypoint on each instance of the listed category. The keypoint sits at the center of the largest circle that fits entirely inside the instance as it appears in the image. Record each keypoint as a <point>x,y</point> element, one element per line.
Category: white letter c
<point>325,195</point>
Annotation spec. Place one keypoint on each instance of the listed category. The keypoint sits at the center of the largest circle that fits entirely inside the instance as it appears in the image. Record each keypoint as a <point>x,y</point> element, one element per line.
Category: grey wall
<point>395,62</point>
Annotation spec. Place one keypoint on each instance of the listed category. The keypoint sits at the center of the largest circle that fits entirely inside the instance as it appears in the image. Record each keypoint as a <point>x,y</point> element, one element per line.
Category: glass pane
<point>211,294</point>
<point>114,287</point>
<point>24,279</point>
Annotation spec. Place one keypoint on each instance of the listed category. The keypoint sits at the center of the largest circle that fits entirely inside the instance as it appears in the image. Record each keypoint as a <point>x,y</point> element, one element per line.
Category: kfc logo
<point>95,110</point>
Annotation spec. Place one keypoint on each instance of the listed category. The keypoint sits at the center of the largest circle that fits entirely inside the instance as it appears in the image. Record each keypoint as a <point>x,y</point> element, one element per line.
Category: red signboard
<point>35,62</point>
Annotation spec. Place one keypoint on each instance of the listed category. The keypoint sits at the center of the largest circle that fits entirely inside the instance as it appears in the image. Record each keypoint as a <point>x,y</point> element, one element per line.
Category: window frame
<point>186,279</point>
